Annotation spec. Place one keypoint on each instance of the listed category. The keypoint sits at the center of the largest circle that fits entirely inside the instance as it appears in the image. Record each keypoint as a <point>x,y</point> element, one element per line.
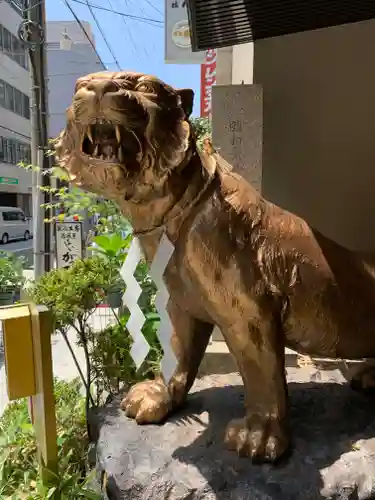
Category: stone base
<point>185,459</point>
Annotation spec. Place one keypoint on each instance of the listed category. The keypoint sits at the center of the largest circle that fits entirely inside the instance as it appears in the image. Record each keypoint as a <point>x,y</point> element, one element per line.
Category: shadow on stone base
<point>185,459</point>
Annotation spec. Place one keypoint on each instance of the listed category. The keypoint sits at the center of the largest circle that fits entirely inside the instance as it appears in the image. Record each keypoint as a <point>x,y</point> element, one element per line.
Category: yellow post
<point>43,401</point>
<point>18,351</point>
<point>27,330</point>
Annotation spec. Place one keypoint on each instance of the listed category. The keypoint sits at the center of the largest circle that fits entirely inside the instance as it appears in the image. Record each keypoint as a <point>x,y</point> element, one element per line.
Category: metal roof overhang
<point>222,23</point>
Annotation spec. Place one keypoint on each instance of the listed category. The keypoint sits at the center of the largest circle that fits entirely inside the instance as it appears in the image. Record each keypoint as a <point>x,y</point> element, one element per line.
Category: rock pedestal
<point>333,453</point>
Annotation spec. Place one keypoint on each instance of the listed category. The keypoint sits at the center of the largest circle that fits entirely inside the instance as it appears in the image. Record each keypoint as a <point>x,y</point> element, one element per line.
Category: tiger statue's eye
<point>81,84</point>
<point>145,88</point>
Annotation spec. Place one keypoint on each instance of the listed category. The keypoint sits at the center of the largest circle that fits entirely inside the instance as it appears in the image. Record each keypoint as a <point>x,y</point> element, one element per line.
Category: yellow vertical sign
<point>28,358</point>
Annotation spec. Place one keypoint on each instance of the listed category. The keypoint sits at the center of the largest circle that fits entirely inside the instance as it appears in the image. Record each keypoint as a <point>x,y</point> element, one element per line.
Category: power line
<point>103,35</point>
<point>143,12</point>
<point>153,6</point>
<point>132,42</point>
<point>98,7</point>
<point>83,30</point>
<point>148,20</point>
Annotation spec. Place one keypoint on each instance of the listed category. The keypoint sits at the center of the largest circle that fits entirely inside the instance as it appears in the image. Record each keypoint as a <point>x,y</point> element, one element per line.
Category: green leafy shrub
<point>71,293</point>
<point>11,272</point>
<point>71,201</point>
<point>19,469</point>
<point>202,128</point>
<point>113,249</point>
<point>112,365</point>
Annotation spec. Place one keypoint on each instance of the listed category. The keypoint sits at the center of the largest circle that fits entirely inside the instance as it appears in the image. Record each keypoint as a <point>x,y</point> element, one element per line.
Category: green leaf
<point>103,241</point>
<point>152,316</point>
<point>51,492</point>
<point>116,243</point>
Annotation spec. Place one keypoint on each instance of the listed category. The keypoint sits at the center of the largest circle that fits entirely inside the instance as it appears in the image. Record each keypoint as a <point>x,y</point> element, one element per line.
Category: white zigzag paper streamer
<point>140,347</point>
<point>158,266</point>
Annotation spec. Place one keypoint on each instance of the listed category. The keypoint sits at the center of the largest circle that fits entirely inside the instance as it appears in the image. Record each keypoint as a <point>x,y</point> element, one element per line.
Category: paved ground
<point>20,248</point>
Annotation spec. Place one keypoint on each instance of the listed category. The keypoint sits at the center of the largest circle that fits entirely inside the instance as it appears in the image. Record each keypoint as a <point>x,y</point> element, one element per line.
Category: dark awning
<point>222,23</point>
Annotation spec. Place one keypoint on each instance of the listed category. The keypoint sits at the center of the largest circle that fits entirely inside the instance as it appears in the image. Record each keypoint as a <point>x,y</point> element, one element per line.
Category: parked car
<point>13,225</point>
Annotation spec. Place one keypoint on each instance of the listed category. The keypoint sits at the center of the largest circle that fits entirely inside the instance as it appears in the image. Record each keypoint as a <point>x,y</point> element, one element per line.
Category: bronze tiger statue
<point>260,273</point>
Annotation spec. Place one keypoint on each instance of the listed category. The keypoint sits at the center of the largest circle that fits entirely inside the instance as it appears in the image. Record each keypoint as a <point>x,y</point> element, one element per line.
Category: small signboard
<point>177,35</point>
<point>69,245</point>
<point>8,180</point>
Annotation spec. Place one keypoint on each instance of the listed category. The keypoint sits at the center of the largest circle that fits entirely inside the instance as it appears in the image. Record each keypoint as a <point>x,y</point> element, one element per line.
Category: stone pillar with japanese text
<point>237,128</point>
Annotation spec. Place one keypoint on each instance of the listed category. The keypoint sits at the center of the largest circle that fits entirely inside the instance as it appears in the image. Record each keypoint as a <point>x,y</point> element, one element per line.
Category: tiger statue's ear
<point>208,146</point>
<point>186,100</point>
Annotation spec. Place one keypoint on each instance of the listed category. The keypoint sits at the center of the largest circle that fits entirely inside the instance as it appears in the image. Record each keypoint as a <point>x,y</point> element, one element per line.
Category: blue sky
<point>137,46</point>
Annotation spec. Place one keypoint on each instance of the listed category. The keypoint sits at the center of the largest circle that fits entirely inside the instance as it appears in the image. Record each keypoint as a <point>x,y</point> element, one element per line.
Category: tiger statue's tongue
<point>107,150</point>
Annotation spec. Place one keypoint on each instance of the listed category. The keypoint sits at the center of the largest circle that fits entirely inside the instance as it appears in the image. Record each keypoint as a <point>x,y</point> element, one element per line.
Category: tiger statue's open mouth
<point>103,140</point>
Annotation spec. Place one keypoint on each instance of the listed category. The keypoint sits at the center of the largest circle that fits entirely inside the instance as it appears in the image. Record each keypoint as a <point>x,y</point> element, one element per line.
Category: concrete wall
<point>242,65</point>
<point>56,29</point>
<point>234,65</point>
<point>64,67</point>
<point>224,62</point>
<point>319,128</point>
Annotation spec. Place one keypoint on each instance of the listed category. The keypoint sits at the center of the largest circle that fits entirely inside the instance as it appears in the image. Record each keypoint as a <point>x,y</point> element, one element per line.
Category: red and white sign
<point>208,79</point>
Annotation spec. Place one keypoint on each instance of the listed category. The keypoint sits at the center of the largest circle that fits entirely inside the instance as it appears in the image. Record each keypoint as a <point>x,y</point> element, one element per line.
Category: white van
<point>13,225</point>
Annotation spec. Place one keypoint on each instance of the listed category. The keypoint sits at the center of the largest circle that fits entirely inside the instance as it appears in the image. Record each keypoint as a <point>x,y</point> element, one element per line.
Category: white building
<point>69,56</point>
<point>15,183</point>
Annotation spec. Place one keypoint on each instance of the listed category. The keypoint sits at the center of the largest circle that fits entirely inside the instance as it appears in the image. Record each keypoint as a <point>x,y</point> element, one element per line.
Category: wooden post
<point>43,401</point>
<point>28,360</point>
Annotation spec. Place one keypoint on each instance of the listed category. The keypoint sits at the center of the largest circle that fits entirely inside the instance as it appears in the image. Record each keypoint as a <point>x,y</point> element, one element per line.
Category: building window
<point>14,151</point>
<point>7,151</point>
<point>2,93</point>
<point>7,42</point>
<point>13,47</point>
<point>14,100</point>
<point>18,152</point>
<point>13,156</point>
<point>26,106</point>
<point>18,102</point>
<point>9,98</point>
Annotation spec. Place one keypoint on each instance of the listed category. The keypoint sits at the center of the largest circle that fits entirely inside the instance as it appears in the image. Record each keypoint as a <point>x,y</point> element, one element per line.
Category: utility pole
<point>32,33</point>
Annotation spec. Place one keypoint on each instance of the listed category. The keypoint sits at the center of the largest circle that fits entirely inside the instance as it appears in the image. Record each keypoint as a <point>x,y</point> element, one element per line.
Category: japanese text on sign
<point>68,243</point>
<point>178,3</point>
<point>208,79</point>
